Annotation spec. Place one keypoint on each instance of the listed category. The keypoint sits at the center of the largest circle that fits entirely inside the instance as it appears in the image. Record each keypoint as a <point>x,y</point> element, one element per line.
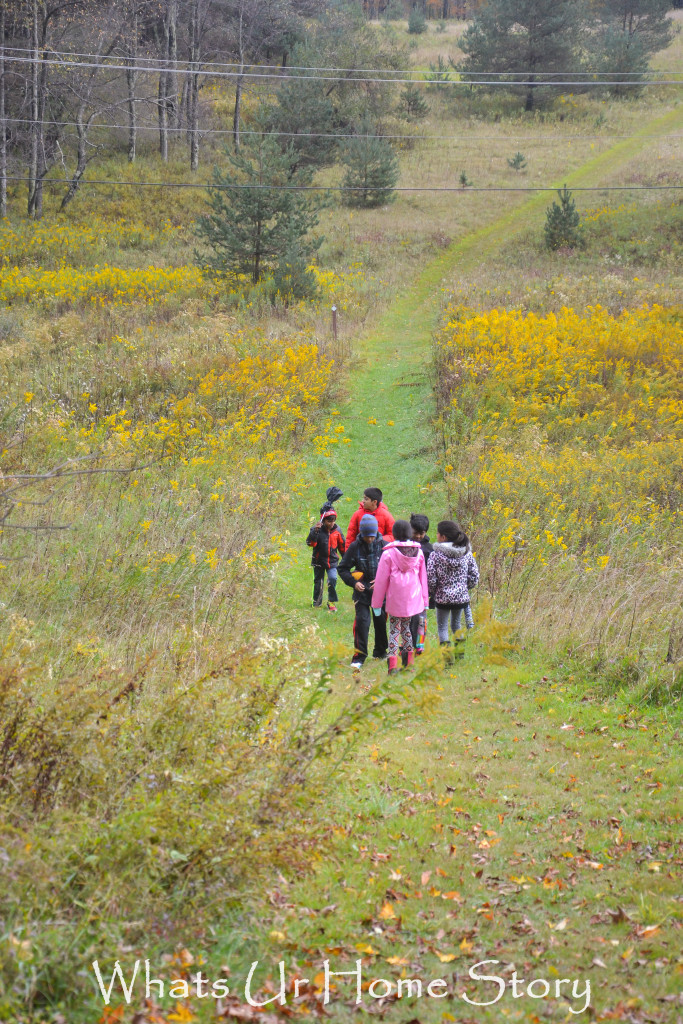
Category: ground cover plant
<point>577,481</point>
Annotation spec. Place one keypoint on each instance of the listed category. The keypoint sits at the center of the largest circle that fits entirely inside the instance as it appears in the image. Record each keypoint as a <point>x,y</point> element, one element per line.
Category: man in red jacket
<point>371,504</point>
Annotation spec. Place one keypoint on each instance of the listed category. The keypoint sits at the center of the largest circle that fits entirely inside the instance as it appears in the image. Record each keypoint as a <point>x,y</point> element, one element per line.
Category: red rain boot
<point>410,659</point>
<point>392,664</point>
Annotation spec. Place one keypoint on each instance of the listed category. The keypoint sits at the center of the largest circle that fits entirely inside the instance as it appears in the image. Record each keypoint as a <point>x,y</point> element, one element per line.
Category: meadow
<point>171,715</point>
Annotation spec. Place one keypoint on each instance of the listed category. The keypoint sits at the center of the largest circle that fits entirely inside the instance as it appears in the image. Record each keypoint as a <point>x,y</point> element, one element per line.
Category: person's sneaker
<point>331,607</point>
<point>355,664</point>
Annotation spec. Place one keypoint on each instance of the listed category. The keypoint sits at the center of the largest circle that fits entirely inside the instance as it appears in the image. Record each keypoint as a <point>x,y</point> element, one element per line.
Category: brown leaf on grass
<point>523,927</point>
<point>618,915</point>
<point>645,932</point>
<point>425,876</point>
<point>112,1014</point>
<point>387,912</point>
<point>597,962</point>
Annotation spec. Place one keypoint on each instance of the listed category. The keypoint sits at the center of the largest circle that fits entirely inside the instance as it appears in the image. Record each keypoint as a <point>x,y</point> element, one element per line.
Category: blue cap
<point>368,526</point>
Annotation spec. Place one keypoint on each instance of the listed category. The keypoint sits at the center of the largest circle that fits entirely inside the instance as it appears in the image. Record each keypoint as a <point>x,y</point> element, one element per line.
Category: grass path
<point>515,822</point>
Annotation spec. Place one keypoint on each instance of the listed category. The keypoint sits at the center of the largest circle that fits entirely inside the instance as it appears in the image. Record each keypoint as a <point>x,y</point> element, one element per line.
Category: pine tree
<point>521,38</point>
<point>371,171</point>
<point>412,104</point>
<point>304,113</point>
<point>632,30</point>
<point>518,162</point>
<point>417,23</point>
<point>563,223</point>
<point>251,230</point>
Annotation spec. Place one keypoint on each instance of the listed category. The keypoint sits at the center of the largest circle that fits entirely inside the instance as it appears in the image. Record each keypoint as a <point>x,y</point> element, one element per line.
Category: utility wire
<point>166,66</point>
<point>438,79</point>
<point>348,188</point>
<point>335,135</point>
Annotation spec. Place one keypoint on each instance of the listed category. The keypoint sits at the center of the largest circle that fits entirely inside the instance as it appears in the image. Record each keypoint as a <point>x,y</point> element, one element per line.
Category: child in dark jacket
<point>451,572</point>
<point>418,623</point>
<point>358,569</point>
<point>327,542</point>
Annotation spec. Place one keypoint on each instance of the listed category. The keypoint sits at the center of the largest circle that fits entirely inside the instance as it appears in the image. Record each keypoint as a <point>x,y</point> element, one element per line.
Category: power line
<point>346,188</point>
<point>336,135</point>
<point>342,78</point>
<point>166,66</point>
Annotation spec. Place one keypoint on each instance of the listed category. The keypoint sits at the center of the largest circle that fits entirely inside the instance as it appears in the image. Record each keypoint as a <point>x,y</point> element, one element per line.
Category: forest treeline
<point>71,68</point>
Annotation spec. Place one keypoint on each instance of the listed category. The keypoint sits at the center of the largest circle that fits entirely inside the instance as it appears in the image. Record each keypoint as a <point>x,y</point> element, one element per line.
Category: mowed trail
<point>515,820</point>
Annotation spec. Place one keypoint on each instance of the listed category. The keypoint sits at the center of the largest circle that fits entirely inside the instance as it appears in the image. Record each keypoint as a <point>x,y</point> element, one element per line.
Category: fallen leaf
<point>363,947</point>
<point>445,958</point>
<point>646,933</point>
<point>387,912</point>
<point>182,1014</point>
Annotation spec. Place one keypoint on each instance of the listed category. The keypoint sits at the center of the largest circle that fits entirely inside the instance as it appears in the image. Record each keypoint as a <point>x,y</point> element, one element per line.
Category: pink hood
<point>402,580</point>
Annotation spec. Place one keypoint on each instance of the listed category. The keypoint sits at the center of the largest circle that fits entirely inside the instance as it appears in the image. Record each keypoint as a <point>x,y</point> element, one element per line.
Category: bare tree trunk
<point>3,123</point>
<point>238,89</point>
<point>132,113</point>
<point>162,96</point>
<point>172,58</point>
<point>35,127</point>
<point>82,161</point>
<point>163,118</point>
<point>236,114</point>
<point>42,155</point>
<point>131,77</point>
<point>193,91</point>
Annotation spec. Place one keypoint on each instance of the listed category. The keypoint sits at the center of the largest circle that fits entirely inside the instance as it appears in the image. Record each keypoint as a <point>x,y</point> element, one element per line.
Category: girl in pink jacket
<point>402,580</point>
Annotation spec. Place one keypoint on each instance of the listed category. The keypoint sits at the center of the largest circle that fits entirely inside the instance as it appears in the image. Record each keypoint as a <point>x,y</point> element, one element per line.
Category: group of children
<point>396,574</point>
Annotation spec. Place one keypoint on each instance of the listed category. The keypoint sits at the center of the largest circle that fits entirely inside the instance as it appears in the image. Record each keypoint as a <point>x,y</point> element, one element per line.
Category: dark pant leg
<point>332,585</point>
<point>381,639</point>
<point>318,577</point>
<point>361,629</point>
<point>414,628</point>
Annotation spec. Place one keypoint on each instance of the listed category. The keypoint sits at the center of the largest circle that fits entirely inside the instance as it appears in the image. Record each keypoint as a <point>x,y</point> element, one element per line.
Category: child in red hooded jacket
<point>327,542</point>
<point>371,504</point>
